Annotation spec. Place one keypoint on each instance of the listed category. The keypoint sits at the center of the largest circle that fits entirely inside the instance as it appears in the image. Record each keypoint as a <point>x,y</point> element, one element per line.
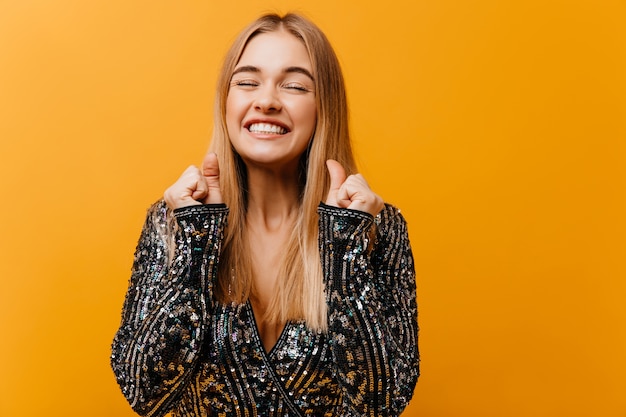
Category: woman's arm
<point>370,286</point>
<point>167,304</point>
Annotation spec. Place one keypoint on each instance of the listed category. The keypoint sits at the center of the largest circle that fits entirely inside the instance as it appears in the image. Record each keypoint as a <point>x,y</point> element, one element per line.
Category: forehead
<point>275,50</point>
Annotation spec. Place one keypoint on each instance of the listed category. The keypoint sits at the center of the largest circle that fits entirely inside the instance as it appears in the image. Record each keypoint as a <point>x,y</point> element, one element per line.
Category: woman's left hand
<point>351,192</point>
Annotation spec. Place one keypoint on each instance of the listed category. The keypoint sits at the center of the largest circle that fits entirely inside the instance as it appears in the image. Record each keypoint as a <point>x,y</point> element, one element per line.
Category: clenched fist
<point>352,192</point>
<point>195,186</point>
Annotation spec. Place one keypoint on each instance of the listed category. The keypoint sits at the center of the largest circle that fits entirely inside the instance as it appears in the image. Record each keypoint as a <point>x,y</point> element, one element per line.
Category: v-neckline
<point>257,334</point>
<point>266,357</point>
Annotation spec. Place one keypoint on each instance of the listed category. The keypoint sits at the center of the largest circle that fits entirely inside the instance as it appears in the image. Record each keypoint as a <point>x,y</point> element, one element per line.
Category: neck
<point>272,199</point>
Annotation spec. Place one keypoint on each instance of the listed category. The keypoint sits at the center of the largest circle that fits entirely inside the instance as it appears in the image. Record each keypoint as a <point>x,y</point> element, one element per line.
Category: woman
<point>250,297</point>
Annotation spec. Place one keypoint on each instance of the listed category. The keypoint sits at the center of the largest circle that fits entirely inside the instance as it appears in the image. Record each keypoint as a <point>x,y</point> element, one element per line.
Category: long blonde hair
<point>300,288</point>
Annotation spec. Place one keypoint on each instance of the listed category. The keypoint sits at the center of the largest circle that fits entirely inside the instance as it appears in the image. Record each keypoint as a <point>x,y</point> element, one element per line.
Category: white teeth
<point>267,128</point>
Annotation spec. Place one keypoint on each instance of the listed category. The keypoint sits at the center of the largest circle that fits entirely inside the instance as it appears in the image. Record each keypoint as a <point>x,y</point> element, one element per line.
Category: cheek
<point>312,118</point>
<point>307,115</point>
<point>231,114</point>
<point>229,106</point>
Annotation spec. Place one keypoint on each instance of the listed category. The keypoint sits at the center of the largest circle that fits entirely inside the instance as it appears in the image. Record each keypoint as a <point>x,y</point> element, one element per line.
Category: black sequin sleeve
<point>165,313</point>
<point>370,286</point>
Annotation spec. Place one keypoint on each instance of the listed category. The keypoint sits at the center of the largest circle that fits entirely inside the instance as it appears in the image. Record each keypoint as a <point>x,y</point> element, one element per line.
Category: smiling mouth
<point>267,128</point>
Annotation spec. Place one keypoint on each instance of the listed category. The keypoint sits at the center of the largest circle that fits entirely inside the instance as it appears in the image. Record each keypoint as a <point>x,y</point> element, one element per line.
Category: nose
<point>267,100</point>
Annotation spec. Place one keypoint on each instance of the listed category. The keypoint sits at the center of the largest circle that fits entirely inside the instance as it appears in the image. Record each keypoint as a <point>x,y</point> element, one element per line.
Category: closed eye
<point>296,87</point>
<point>244,83</point>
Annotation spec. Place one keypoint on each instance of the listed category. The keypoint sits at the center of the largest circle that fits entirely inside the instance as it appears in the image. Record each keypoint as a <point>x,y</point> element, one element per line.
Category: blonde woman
<point>272,280</point>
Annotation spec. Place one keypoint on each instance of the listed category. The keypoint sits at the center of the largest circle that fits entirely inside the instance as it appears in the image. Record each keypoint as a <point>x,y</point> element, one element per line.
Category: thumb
<point>337,178</point>
<point>211,174</point>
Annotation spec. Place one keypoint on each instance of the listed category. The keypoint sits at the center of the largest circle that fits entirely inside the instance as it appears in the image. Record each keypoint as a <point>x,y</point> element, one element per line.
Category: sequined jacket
<point>178,350</point>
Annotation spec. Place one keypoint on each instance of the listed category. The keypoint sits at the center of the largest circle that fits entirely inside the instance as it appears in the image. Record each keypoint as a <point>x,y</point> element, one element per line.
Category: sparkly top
<point>178,350</point>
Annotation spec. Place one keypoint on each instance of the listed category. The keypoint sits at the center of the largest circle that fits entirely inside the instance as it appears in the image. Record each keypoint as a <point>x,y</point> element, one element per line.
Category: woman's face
<point>270,108</point>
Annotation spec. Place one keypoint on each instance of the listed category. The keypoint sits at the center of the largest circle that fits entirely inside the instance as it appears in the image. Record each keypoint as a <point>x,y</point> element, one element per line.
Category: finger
<point>210,165</point>
<point>189,187</point>
<point>194,183</point>
<point>211,174</point>
<point>361,196</point>
<point>337,174</point>
<point>337,178</point>
<point>349,192</point>
<point>199,190</point>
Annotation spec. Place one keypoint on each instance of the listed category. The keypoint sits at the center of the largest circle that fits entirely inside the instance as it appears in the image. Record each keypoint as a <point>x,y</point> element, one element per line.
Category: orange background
<point>498,127</point>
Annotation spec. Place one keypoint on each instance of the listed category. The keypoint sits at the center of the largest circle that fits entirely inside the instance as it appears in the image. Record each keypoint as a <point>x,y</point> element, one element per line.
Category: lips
<point>267,128</point>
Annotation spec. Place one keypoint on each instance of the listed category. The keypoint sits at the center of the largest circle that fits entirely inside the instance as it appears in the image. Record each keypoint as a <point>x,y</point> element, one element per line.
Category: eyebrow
<point>252,68</point>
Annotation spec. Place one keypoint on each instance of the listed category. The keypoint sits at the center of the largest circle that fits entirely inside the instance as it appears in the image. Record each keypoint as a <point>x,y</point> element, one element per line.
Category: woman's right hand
<point>195,186</point>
